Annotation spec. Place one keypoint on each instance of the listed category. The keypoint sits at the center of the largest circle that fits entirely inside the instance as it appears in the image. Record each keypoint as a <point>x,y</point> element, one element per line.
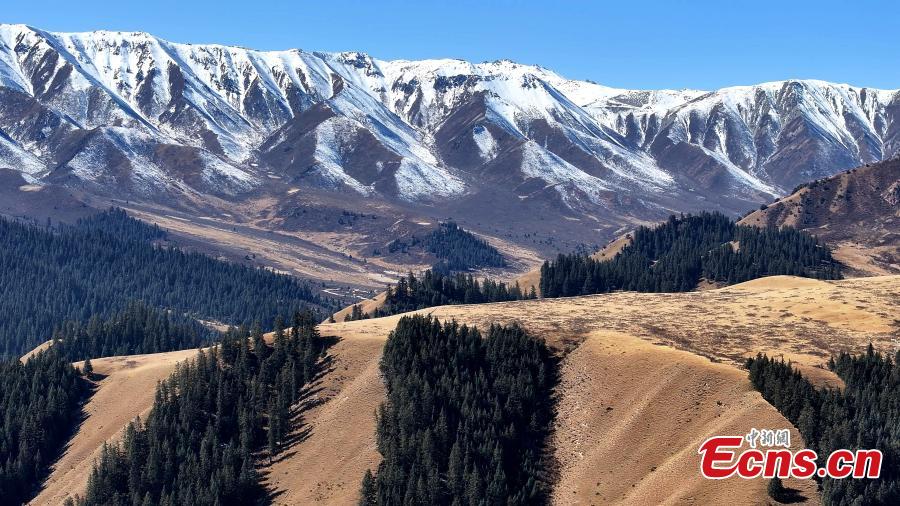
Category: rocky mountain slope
<point>856,212</point>
<point>132,114</point>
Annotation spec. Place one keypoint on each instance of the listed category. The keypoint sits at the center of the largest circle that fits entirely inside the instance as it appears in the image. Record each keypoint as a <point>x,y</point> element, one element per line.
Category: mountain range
<point>132,116</point>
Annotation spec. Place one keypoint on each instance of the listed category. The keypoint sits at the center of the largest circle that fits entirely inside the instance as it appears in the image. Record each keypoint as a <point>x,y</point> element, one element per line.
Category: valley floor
<point>645,379</point>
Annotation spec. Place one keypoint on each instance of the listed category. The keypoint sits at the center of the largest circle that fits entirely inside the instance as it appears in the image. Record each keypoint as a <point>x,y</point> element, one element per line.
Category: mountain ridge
<point>129,115</point>
<point>855,212</point>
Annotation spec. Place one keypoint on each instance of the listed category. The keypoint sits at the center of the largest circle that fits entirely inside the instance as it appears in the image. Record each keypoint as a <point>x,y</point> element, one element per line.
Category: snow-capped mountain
<point>129,112</point>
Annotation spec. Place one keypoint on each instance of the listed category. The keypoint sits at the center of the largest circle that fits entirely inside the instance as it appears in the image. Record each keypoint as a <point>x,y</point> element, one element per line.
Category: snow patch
<point>15,157</point>
<point>487,147</point>
<point>564,177</point>
<point>224,176</point>
<point>331,137</point>
<point>416,181</point>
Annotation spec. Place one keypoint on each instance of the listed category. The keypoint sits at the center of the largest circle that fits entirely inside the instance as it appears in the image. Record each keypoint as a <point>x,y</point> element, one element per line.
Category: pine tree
<point>454,428</point>
<point>40,406</point>
<point>136,329</point>
<point>864,414</point>
<point>99,266</point>
<point>676,255</point>
<point>368,494</point>
<point>436,289</point>
<point>209,420</point>
<point>459,250</point>
<point>272,433</point>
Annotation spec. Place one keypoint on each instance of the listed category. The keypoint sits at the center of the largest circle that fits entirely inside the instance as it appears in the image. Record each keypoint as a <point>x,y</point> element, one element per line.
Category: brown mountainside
<point>856,212</point>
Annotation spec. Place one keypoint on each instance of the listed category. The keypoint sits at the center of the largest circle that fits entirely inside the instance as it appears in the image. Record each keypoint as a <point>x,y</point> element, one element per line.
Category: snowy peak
<point>114,108</point>
<point>788,131</point>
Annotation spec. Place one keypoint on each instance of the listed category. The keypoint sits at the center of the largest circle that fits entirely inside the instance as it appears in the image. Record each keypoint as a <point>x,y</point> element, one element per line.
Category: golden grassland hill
<point>666,366</point>
<point>645,378</point>
<point>366,306</point>
<point>126,387</point>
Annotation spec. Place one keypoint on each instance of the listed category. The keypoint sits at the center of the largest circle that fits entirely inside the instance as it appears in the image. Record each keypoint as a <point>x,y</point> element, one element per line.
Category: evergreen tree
<point>466,418</point>
<point>136,329</point>
<point>776,489</point>
<point>199,443</point>
<point>676,255</point>
<point>865,414</point>
<point>98,266</point>
<point>456,249</point>
<point>459,250</point>
<point>368,493</point>
<point>437,289</point>
<point>40,405</point>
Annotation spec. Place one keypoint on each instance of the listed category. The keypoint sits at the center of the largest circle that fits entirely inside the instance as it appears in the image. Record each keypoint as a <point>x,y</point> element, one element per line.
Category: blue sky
<point>667,44</point>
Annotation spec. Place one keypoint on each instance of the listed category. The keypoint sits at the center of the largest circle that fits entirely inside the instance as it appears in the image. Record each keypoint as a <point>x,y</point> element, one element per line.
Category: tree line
<point>466,418</point>
<point>676,255</point>
<point>134,330</point>
<point>210,423</point>
<point>40,404</point>
<point>864,414</point>
<point>460,250</point>
<point>438,289</point>
<point>100,264</point>
<point>455,248</point>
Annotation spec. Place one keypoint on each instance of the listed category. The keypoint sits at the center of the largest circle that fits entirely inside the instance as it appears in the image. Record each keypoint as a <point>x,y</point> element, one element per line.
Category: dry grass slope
<point>856,212</point>
<point>632,415</point>
<point>642,355</point>
<point>367,306</point>
<point>125,391</point>
<point>646,377</point>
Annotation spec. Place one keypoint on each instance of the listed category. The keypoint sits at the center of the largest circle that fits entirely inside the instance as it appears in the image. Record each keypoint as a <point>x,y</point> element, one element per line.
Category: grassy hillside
<point>643,356</point>
<point>857,212</point>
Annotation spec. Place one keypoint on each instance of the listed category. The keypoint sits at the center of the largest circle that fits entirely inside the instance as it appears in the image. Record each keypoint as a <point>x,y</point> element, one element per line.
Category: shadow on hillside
<point>91,387</point>
<point>792,496</point>
<point>309,398</point>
